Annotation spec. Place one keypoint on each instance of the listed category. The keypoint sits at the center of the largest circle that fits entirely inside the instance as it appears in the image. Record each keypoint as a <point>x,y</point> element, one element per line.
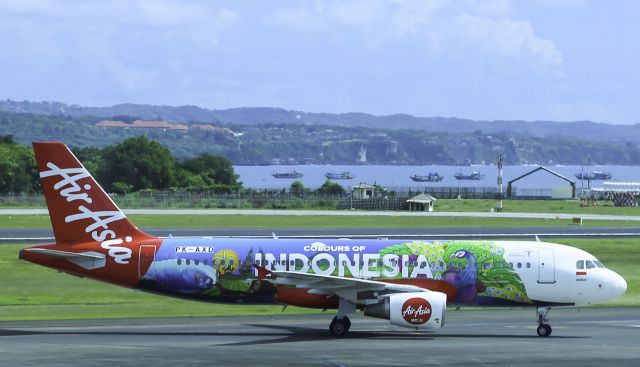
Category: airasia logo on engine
<point>416,311</point>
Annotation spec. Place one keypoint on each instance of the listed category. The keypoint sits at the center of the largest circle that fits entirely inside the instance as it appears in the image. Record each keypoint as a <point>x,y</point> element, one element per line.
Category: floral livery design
<point>474,268</point>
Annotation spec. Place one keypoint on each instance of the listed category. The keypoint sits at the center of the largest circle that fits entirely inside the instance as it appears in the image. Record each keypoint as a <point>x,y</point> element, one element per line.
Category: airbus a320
<point>408,282</point>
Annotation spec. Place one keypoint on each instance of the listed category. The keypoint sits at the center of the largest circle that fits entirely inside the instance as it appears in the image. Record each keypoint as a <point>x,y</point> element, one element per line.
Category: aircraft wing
<point>351,289</point>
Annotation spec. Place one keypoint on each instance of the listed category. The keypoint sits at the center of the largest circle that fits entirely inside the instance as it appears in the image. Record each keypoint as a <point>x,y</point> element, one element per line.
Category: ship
<point>595,175</point>
<point>346,175</point>
<point>475,175</point>
<point>431,177</point>
<point>292,174</point>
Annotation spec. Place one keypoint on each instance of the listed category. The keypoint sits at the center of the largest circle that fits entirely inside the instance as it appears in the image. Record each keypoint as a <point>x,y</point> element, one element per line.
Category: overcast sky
<point>533,60</point>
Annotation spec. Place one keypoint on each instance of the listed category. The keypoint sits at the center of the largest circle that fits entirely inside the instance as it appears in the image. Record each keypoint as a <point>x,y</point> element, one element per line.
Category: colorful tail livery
<point>91,233</point>
<point>408,282</point>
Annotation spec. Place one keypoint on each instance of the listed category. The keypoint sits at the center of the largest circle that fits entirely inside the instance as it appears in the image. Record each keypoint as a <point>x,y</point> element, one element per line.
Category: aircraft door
<point>147,254</point>
<point>546,266</point>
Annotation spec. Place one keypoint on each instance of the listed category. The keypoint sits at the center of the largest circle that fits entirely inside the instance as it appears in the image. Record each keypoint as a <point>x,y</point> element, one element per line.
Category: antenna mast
<point>500,195</point>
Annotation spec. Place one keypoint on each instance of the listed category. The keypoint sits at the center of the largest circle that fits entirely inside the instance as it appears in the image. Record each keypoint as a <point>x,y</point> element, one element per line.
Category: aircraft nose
<point>618,284</point>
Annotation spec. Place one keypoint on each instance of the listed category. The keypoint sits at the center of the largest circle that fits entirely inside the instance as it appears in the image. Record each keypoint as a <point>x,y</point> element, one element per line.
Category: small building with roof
<point>363,191</point>
<point>421,203</point>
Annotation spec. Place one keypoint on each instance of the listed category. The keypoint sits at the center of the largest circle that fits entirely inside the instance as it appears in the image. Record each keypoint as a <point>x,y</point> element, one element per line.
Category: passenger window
<point>188,261</point>
<point>179,261</point>
<point>590,265</point>
<point>510,265</point>
<point>580,264</point>
<point>599,264</point>
<point>196,262</point>
<point>528,265</point>
<point>519,265</point>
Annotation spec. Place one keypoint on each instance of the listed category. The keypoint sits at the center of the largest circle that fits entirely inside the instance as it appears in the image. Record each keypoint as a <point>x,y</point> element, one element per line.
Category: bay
<point>260,177</point>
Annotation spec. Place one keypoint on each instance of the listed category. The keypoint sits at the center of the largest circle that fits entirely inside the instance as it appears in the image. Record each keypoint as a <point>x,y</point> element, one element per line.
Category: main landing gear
<point>339,327</point>
<point>543,328</point>
<point>341,324</point>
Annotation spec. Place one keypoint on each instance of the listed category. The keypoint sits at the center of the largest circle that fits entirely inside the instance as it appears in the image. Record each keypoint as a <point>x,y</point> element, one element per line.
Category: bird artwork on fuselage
<point>469,272</point>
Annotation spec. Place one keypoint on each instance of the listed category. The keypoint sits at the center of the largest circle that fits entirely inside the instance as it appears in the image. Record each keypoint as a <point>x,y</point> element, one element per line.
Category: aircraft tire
<point>544,330</point>
<point>339,327</point>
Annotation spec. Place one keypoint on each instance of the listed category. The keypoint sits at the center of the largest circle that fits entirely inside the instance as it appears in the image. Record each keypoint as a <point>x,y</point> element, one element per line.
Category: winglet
<point>262,271</point>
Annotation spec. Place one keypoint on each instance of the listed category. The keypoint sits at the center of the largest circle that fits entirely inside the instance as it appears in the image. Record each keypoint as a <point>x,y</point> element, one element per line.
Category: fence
<point>393,198</point>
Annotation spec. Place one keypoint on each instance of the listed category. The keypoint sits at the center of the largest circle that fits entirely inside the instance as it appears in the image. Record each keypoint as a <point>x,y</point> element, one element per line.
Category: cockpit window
<point>590,264</point>
<point>599,264</point>
<point>580,264</point>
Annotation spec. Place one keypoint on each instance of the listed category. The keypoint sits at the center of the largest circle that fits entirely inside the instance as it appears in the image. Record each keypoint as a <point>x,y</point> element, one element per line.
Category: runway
<point>585,337</point>
<point>32,236</point>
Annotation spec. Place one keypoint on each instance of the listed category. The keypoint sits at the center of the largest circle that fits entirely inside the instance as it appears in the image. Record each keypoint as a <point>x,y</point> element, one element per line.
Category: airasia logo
<point>71,190</point>
<point>416,311</point>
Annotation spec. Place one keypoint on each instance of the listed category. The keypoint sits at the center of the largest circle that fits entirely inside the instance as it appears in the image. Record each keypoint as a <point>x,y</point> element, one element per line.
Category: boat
<point>346,175</point>
<point>431,177</point>
<point>292,174</point>
<point>475,175</point>
<point>595,175</point>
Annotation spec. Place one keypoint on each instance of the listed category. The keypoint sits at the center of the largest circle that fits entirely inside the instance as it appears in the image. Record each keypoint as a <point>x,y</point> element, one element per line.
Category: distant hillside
<point>295,143</point>
<point>260,115</point>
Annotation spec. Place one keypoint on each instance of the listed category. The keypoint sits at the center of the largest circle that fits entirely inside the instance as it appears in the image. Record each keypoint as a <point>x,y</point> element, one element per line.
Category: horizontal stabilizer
<point>88,260</point>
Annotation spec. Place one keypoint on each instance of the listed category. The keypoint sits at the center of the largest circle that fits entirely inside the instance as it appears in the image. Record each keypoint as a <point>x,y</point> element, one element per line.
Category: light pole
<point>499,201</point>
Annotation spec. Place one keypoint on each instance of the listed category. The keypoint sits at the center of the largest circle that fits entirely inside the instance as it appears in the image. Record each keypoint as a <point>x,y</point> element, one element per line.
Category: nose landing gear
<point>544,329</point>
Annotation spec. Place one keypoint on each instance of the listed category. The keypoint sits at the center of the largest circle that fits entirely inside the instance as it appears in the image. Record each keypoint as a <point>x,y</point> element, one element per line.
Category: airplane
<point>408,282</point>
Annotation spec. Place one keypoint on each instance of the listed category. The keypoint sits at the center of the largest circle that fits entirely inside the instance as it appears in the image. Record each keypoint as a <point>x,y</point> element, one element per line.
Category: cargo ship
<point>292,174</point>
<point>595,175</point>
<point>475,175</point>
<point>346,175</point>
<point>431,177</point>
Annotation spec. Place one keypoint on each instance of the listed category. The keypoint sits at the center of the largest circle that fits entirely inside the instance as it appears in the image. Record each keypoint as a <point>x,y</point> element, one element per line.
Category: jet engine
<point>418,310</point>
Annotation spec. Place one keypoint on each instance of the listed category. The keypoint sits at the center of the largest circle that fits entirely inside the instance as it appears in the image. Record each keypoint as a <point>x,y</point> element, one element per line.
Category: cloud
<point>439,26</point>
<point>504,37</point>
<point>197,22</point>
<point>126,46</point>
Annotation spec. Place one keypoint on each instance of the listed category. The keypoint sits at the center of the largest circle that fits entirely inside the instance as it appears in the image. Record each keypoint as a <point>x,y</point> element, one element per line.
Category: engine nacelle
<point>412,310</point>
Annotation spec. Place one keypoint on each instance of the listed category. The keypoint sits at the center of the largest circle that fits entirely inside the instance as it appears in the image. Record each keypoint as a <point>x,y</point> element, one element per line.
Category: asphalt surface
<point>345,213</point>
<point>585,337</point>
<point>32,236</point>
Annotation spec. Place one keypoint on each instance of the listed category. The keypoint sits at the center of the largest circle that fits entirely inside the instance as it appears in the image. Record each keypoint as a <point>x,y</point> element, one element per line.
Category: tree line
<point>134,164</point>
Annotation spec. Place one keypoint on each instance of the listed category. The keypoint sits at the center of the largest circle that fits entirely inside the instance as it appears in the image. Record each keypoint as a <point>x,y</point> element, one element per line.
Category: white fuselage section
<point>550,273</point>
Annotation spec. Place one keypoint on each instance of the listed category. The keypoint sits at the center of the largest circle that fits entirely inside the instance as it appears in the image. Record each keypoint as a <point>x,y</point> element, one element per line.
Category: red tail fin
<point>79,208</point>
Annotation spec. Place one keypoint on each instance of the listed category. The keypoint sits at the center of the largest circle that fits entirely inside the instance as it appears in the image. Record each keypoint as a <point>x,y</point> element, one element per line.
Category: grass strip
<point>315,221</point>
